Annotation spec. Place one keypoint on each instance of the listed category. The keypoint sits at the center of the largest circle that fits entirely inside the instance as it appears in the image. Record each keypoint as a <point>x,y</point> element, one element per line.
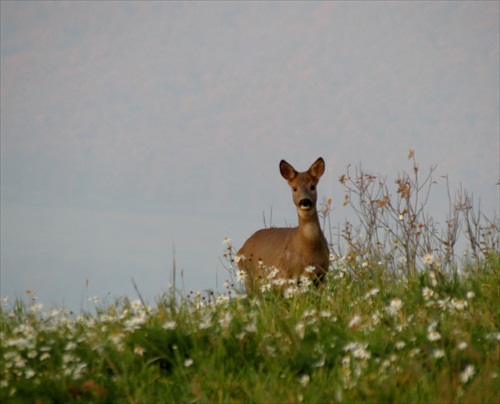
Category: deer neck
<point>309,227</point>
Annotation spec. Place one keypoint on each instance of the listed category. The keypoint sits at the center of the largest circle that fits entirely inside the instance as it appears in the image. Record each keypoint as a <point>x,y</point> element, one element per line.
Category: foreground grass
<point>426,338</point>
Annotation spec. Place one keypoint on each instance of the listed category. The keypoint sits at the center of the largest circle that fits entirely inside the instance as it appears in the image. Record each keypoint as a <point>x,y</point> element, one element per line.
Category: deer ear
<point>287,171</point>
<point>318,168</point>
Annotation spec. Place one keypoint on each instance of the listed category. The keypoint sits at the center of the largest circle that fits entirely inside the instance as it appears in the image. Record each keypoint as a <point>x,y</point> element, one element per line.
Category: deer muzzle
<point>305,204</point>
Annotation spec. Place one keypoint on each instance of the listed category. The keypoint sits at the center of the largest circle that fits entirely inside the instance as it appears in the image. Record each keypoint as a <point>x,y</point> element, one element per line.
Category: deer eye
<point>294,189</point>
<point>313,187</point>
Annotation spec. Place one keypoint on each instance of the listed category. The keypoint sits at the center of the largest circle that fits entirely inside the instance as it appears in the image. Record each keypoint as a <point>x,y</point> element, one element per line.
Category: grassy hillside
<point>421,338</point>
<point>401,319</point>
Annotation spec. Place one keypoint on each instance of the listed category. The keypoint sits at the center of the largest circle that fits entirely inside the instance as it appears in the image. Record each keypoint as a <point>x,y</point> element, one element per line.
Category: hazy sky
<point>127,127</point>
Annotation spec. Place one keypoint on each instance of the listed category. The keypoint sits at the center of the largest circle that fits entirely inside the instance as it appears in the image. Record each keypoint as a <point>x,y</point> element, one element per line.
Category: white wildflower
<point>225,320</point>
<point>467,374</point>
<point>290,292</point>
<point>400,345</point>
<point>443,303</point>
<point>265,287</point>
<point>438,353</point>
<point>222,299</point>
<point>279,282</point>
<point>427,293</point>
<point>136,305</point>
<point>494,335</point>
<point>459,305</point>
<point>44,356</point>
<point>394,307</point>
<point>428,259</point>
<point>78,370</point>
<point>273,272</point>
<point>169,325</point>
<point>19,362</point>
<point>319,364</point>
<point>432,275</point>
<point>355,322</point>
<point>139,350</point>
<point>252,327</point>
<point>371,293</point>
<point>206,322</point>
<point>241,276</point>
<point>227,240</point>
<point>69,358</point>
<point>300,328</point>
<point>304,380</point>
<point>135,322</point>
<point>21,343</point>
<point>70,346</point>
<point>358,351</point>
<point>37,307</point>
<point>305,282</point>
<point>10,356</point>
<point>462,345</point>
<point>432,334</point>
<point>188,362</point>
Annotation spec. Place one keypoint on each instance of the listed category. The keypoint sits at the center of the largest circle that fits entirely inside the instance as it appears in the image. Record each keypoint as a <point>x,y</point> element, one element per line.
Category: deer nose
<point>305,204</point>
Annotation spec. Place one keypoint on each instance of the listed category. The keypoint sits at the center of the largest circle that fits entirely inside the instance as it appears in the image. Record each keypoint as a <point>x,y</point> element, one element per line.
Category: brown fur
<point>291,250</point>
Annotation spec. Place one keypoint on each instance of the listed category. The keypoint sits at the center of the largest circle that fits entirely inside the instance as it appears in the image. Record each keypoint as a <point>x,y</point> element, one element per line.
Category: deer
<point>292,252</point>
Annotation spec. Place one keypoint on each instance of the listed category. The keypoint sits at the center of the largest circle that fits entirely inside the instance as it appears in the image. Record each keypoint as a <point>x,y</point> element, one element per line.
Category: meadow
<point>402,318</point>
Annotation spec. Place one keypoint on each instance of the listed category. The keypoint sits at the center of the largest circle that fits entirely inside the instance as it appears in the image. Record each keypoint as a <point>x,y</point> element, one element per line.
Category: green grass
<point>376,338</point>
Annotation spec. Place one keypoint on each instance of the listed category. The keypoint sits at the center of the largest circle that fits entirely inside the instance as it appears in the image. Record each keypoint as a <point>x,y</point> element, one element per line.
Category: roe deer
<point>294,252</point>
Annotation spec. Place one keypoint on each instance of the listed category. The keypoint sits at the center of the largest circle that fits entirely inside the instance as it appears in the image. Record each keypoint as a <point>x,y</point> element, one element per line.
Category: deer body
<point>294,252</point>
